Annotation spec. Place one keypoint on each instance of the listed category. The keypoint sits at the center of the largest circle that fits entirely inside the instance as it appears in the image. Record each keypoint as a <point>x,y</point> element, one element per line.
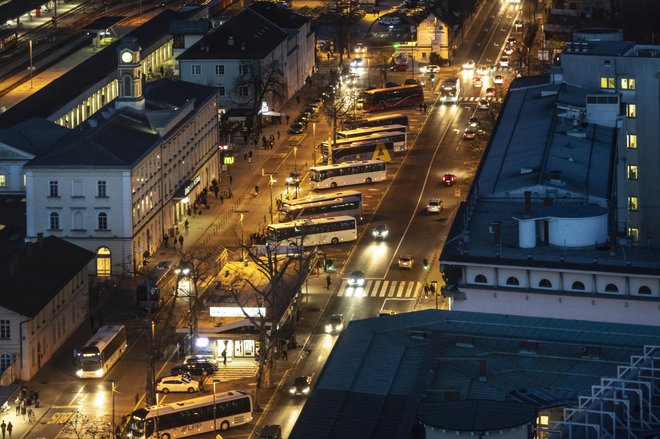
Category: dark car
<point>297,128</point>
<point>391,84</point>
<point>380,231</point>
<point>302,385</point>
<point>194,368</point>
<point>449,179</point>
<point>399,68</point>
<point>411,81</point>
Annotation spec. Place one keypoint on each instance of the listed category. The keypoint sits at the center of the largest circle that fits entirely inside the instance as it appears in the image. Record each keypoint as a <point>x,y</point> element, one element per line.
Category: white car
<point>504,61</point>
<point>434,206</point>
<point>177,383</point>
<point>431,68</point>
<point>498,79</point>
<point>469,64</point>
<point>483,104</point>
<point>389,20</point>
<point>482,70</point>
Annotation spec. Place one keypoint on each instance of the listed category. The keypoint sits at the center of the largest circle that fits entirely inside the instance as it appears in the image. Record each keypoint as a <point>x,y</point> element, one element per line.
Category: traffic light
<point>426,264</point>
<point>329,265</point>
<point>396,46</point>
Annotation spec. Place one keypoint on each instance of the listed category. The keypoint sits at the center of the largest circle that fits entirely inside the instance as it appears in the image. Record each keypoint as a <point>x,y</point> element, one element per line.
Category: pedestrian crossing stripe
<point>60,417</point>
<point>381,288</point>
<point>478,98</point>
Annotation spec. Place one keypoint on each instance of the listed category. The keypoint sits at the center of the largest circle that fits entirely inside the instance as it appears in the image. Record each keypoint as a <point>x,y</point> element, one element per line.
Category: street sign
<point>228,160</point>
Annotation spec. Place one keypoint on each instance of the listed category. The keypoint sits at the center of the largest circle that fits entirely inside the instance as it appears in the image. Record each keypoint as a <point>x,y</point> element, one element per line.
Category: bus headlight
<point>79,372</point>
<point>99,373</point>
<point>328,328</point>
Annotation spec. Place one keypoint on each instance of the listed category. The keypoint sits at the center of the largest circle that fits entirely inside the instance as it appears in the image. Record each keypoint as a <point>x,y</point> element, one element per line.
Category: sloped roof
<point>246,36</point>
<point>33,136</point>
<point>35,273</point>
<point>282,17</point>
<point>189,27</point>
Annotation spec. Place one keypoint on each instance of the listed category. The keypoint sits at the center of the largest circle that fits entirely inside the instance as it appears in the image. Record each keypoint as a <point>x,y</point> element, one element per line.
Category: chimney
<point>528,204</point>
<point>497,233</point>
<point>40,239</point>
<point>230,41</point>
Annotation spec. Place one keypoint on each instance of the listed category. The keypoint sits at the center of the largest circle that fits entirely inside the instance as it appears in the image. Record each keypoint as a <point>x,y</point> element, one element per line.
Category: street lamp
<point>183,270</point>
<point>240,220</point>
<point>270,183</point>
<point>114,428</point>
<point>31,66</point>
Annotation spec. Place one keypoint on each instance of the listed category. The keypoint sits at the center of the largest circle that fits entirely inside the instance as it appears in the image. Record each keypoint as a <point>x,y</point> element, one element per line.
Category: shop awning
<point>270,113</point>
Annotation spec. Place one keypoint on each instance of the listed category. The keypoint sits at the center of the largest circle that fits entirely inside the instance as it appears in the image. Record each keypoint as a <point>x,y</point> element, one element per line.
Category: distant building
<point>247,47</point>
<point>562,218</point>
<point>129,176</point>
<point>448,374</point>
<point>44,298</point>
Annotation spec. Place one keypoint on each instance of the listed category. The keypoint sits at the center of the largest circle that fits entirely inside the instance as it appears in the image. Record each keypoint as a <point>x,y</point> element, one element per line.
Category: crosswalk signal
<point>426,264</point>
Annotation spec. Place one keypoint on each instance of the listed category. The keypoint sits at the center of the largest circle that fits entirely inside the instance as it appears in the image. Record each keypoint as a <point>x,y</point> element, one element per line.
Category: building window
<point>103,221</point>
<point>243,69</point>
<point>627,83</point>
<point>577,285</point>
<point>631,141</point>
<point>3,180</point>
<point>632,172</point>
<point>243,91</point>
<point>101,189</point>
<point>631,111</point>
<point>221,91</point>
<point>607,82</point>
<point>611,288</point>
<point>644,290</point>
<point>5,361</point>
<point>54,221</point>
<point>219,69</point>
<point>78,223</point>
<point>103,262</point>
<point>77,188</point>
<point>196,69</point>
<point>5,329</point>
<point>545,283</point>
<point>512,281</point>
<point>633,204</point>
<point>633,234</point>
<point>53,186</point>
<point>480,279</point>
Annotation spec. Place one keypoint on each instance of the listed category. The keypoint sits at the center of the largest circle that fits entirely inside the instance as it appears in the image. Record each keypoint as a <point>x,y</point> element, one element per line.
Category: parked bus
<point>312,232</point>
<point>378,121</point>
<point>101,352</point>
<point>400,140</point>
<point>372,150</point>
<point>337,203</point>
<point>393,97</point>
<point>397,138</point>
<point>450,89</point>
<point>8,39</point>
<point>191,417</point>
<point>349,173</point>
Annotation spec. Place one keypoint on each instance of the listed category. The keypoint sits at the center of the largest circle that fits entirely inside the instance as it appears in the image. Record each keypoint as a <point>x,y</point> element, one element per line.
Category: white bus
<point>101,352</point>
<point>191,417</point>
<point>400,141</point>
<point>348,173</point>
<point>320,206</point>
<point>312,232</point>
<point>377,121</point>
<point>450,90</point>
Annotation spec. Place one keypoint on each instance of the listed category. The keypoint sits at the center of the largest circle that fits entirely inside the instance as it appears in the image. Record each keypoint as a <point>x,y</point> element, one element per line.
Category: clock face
<point>127,57</point>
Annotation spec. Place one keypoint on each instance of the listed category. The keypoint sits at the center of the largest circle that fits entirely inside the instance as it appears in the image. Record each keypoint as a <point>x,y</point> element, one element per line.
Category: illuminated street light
<point>270,183</point>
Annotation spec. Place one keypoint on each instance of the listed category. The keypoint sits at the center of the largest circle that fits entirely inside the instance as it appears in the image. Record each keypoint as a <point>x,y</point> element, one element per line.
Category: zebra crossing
<point>381,288</point>
<point>475,99</point>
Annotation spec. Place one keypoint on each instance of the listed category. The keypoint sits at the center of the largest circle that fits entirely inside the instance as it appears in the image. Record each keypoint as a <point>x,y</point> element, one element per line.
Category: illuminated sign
<point>190,186</point>
<point>228,160</point>
<point>236,311</point>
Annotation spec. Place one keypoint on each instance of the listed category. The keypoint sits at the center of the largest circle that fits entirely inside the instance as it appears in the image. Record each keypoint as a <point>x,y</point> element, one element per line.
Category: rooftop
<point>33,136</point>
<point>386,373</point>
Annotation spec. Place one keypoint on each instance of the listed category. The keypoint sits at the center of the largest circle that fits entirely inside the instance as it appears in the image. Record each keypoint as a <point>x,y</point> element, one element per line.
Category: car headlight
<point>351,281</point>
<point>385,233</point>
<point>292,390</point>
<point>374,233</point>
<point>360,282</point>
<point>306,390</point>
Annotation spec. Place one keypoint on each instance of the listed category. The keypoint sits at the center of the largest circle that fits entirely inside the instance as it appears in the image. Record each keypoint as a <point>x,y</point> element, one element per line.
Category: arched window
<point>611,288</point>
<point>103,262</point>
<point>512,281</point>
<point>54,221</point>
<point>103,221</point>
<point>644,290</point>
<point>78,221</point>
<point>577,285</point>
<point>480,279</point>
<point>545,283</point>
<point>5,361</point>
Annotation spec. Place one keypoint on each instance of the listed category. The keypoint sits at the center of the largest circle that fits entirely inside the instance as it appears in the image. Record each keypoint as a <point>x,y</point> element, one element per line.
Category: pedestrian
<point>181,240</point>
<point>186,224</point>
<point>245,156</point>
<point>165,239</point>
<point>297,99</point>
<point>329,56</point>
<point>256,190</point>
<point>420,107</point>
<point>426,291</point>
<point>18,408</point>
<point>424,107</point>
<point>222,199</point>
<point>30,415</point>
<point>224,357</point>
<point>10,428</point>
<point>230,181</point>
<point>328,281</point>
<point>91,322</point>
<point>287,119</point>
<point>3,427</point>
<point>285,351</point>
<point>278,135</point>
<point>250,154</point>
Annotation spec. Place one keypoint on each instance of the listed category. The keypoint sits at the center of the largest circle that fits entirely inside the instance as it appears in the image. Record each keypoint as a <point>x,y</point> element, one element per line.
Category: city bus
<point>8,39</point>
<point>313,232</point>
<point>450,89</point>
<point>190,417</point>
<point>393,97</point>
<point>372,150</point>
<point>400,141</point>
<point>319,206</point>
<point>397,138</point>
<point>377,121</point>
<point>101,352</point>
<point>346,174</point>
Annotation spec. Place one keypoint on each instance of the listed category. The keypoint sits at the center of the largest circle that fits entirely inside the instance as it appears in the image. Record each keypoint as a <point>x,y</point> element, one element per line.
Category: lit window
<point>103,262</point>
<point>196,69</point>
<point>633,204</point>
<point>631,111</point>
<point>631,141</point>
<point>54,221</point>
<point>103,221</point>
<point>633,233</point>
<point>607,82</point>
<point>632,172</point>
<point>627,83</point>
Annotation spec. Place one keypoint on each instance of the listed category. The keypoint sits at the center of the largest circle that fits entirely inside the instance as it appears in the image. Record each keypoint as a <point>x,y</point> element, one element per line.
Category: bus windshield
<point>450,90</point>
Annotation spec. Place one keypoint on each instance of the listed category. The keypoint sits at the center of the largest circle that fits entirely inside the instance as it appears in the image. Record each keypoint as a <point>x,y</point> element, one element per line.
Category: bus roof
<point>346,164</point>
<point>194,402</point>
<point>376,129</point>
<point>384,117</point>
<point>302,222</point>
<point>401,87</point>
<point>103,336</point>
<point>323,197</point>
<point>366,138</point>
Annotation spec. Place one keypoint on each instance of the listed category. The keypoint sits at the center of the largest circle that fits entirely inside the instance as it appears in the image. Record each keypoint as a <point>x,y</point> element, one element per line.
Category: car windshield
<point>405,259</point>
<point>435,203</point>
<point>335,319</point>
<point>300,382</point>
<point>357,274</point>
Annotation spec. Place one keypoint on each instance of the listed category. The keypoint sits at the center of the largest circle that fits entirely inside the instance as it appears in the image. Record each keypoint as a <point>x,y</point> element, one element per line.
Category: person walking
<point>224,357</point>
<point>18,408</point>
<point>30,414</point>
<point>222,199</point>
<point>3,427</point>
<point>285,351</point>
<point>10,428</point>
<point>424,107</point>
<point>181,240</point>
<point>328,281</point>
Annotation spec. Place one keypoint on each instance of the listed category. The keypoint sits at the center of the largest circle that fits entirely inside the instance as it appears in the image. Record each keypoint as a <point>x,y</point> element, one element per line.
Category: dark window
<point>54,189</point>
<point>5,329</point>
<point>577,285</point>
<point>101,189</point>
<point>644,290</point>
<point>545,283</point>
<point>103,221</point>
<point>611,288</point>
<point>480,279</point>
<point>512,281</point>
<point>54,221</point>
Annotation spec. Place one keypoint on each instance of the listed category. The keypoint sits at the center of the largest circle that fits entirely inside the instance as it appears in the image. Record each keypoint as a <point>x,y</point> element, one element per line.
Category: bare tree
<point>336,107</point>
<point>82,426</point>
<point>264,80</point>
<point>347,17</point>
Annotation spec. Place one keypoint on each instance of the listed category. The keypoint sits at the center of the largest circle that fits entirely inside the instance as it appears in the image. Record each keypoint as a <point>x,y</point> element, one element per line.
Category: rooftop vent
<point>524,171</point>
<point>418,335</point>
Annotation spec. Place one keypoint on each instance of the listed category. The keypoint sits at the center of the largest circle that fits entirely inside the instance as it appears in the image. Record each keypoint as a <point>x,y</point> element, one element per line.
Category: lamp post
<point>215,428</point>
<point>31,67</point>
<point>114,428</point>
<point>270,183</point>
<point>240,220</point>
<point>295,159</point>
<point>314,143</point>
<point>183,270</point>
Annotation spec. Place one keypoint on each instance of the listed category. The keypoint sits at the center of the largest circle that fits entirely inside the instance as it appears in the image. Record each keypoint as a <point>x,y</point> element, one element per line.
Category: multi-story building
<point>262,39</point>
<point>562,219</point>
<point>44,298</point>
<point>126,178</point>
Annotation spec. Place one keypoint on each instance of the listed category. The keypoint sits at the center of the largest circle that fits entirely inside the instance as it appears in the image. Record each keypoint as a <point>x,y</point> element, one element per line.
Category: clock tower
<point>129,75</point>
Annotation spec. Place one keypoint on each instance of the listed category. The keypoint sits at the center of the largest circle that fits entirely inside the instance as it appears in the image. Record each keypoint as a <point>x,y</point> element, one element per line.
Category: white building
<point>126,178</point>
<point>255,38</point>
<point>44,298</point>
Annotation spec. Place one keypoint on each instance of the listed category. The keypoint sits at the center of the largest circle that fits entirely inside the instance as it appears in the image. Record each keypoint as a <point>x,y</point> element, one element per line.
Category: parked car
<point>512,41</point>
<point>483,104</point>
<point>399,68</point>
<point>508,50</point>
<point>177,383</point>
<point>380,231</point>
<point>389,20</point>
<point>297,128</point>
<point>201,359</point>
<point>406,261</point>
<point>202,369</point>
<point>498,79</point>
<point>390,84</point>
<point>490,92</point>
<point>431,68</point>
<point>411,81</point>
<point>434,205</point>
<point>469,134</point>
<point>335,323</point>
<point>302,385</point>
<point>473,122</point>
<point>356,279</point>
